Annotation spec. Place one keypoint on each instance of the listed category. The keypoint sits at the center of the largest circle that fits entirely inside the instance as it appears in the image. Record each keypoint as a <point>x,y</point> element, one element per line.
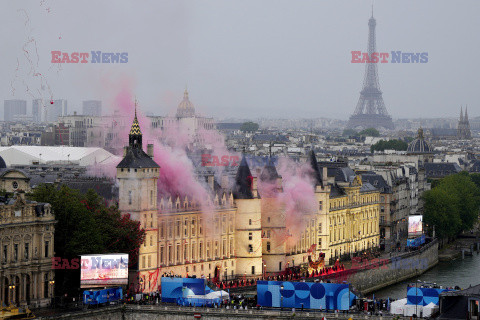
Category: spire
<point>466,114</point>
<point>135,135</point>
<point>461,114</point>
<point>372,9</point>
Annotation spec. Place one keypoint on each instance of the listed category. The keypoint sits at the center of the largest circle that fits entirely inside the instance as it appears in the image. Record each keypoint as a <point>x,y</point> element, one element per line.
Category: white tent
<point>218,294</point>
<point>429,309</point>
<point>411,309</point>
<point>396,307</point>
<point>27,155</point>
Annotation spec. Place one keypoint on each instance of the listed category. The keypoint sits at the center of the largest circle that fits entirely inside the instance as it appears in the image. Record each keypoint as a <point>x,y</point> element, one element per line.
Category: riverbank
<point>468,243</point>
<point>458,272</point>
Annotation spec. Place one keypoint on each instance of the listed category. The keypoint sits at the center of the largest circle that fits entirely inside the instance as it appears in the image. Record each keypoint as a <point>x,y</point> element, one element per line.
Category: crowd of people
<point>290,275</point>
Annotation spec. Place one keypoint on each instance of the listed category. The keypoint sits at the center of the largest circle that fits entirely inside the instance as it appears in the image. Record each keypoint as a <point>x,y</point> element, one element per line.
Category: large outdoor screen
<point>415,226</point>
<point>104,270</point>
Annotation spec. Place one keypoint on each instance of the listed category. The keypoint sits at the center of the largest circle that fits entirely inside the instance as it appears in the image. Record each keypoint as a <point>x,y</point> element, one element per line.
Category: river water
<point>462,273</point>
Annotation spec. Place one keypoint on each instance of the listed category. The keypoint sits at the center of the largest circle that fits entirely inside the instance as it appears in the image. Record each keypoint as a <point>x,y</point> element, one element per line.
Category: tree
<point>249,126</point>
<point>440,211</point>
<point>86,225</point>
<point>466,196</point>
<point>452,206</point>
<point>370,132</point>
<point>349,133</point>
<point>394,144</point>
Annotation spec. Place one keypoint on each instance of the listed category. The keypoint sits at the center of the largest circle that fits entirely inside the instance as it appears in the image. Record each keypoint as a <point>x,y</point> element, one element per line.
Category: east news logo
<point>396,57</point>
<point>94,56</point>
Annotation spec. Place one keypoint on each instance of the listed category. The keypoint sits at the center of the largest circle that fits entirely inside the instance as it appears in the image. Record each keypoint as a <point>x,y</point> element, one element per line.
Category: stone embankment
<point>137,312</point>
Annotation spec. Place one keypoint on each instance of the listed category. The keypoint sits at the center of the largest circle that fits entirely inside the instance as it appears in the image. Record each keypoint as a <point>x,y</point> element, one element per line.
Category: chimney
<point>254,187</point>
<point>224,181</point>
<point>211,180</point>
<point>324,176</point>
<point>150,150</point>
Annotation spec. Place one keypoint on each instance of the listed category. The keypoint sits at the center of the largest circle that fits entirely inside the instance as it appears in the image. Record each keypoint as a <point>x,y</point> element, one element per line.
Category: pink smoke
<point>298,195</point>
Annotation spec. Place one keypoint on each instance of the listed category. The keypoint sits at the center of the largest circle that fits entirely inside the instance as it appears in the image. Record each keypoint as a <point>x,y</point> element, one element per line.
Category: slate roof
<point>441,169</point>
<point>269,172</point>
<point>376,181</point>
<point>243,181</point>
<point>137,158</point>
<point>3,165</point>
<point>317,175</point>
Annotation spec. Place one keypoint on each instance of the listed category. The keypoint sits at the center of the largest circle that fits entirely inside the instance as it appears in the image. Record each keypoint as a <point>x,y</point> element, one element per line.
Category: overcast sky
<point>246,59</point>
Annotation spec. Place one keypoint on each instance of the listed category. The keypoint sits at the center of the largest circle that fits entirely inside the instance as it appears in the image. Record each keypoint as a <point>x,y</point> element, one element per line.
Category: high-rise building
<point>370,111</point>
<point>37,108</point>
<point>92,108</point>
<point>55,110</point>
<point>14,107</point>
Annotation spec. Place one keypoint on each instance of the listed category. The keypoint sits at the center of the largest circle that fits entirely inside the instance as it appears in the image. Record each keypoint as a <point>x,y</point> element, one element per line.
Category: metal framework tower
<point>370,111</point>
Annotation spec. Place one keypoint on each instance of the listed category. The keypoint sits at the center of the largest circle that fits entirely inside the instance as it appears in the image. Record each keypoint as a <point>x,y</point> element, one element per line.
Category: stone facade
<point>26,242</point>
<point>245,234</point>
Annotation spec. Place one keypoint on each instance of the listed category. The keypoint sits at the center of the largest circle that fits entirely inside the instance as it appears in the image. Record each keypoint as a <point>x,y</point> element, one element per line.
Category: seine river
<point>462,273</point>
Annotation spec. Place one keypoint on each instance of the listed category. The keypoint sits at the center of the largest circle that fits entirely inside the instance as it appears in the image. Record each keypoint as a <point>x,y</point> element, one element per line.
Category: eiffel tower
<point>370,111</point>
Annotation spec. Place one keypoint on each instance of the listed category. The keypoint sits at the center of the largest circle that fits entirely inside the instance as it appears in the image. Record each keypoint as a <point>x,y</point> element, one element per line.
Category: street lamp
<point>52,283</point>
<point>264,271</point>
<point>12,287</point>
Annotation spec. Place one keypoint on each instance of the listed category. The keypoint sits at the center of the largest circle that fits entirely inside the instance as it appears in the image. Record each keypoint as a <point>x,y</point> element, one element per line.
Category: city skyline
<point>265,59</point>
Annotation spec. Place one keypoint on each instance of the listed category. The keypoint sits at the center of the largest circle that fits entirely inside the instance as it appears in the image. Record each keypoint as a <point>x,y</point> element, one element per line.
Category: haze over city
<point>249,59</point>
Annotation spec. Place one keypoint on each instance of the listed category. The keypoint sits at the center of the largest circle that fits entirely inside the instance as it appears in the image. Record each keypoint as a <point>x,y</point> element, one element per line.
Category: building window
<point>5,253</point>
<point>268,246</point>
<point>320,205</point>
<point>46,249</point>
<point>15,185</point>
<point>151,197</point>
<point>149,261</point>
<point>151,241</point>
<point>382,209</point>
<point>250,222</point>
<point>250,248</point>
<point>45,285</point>
<point>280,266</point>
<point>320,242</point>
<point>129,197</point>
<point>26,250</point>
<point>200,255</point>
<point>253,269</point>
<point>15,252</point>
<point>320,227</point>
<point>143,262</point>
<point>250,236</point>
<point>162,249</point>
<point>268,219</point>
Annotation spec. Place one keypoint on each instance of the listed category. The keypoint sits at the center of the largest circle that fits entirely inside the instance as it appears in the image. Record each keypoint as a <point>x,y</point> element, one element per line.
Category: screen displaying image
<point>415,225</point>
<point>104,269</point>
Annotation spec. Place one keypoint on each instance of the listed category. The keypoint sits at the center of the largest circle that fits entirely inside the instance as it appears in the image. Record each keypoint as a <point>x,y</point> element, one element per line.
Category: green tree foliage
<point>249,126</point>
<point>452,205</point>
<point>441,212</point>
<point>349,133</point>
<point>383,145</point>
<point>86,225</point>
<point>370,132</point>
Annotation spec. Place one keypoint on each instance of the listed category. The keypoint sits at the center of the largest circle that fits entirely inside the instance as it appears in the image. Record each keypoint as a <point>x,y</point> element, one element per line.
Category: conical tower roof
<point>317,175</point>
<point>243,181</point>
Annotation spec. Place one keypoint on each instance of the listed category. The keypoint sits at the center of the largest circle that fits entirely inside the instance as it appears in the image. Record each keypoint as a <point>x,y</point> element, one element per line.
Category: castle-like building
<point>247,234</point>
